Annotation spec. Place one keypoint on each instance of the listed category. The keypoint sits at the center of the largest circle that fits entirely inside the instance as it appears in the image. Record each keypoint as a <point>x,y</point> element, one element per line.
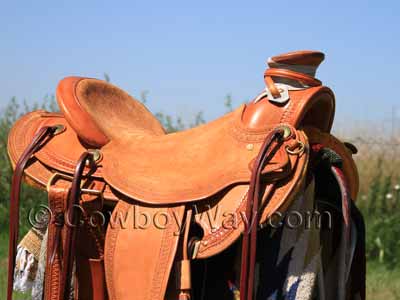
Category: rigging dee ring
<point>297,151</point>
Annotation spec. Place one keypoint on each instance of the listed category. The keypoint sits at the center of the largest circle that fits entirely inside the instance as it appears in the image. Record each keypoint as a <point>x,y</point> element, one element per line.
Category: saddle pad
<point>349,166</point>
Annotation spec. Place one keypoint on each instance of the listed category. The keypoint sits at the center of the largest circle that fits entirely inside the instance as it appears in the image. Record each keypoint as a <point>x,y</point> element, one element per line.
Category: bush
<point>381,211</point>
<point>30,197</point>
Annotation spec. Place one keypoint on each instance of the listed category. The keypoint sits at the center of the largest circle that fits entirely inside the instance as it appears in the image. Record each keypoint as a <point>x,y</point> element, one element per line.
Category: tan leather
<point>60,154</point>
<point>138,261</point>
<point>143,170</point>
<point>78,118</point>
<point>303,109</point>
<point>53,290</point>
<point>225,146</point>
<point>220,236</point>
<point>98,110</point>
<point>305,57</point>
<point>305,105</point>
<point>271,86</point>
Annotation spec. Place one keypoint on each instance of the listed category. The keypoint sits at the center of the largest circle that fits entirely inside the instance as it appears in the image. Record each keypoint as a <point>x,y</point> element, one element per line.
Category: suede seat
<point>99,111</point>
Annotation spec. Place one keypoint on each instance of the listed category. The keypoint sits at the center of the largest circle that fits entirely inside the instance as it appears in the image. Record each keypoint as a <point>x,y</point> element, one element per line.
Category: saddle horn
<point>293,95</point>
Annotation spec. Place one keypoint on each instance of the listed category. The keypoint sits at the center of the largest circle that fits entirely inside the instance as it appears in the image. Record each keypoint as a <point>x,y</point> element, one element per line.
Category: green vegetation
<point>379,200</point>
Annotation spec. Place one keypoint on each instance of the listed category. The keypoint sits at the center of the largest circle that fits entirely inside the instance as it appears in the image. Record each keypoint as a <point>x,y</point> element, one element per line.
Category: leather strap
<point>284,73</point>
<point>344,252</point>
<point>183,266</point>
<point>53,288</point>
<point>272,87</point>
<point>344,190</point>
<point>71,230</point>
<point>249,243</point>
<point>41,137</point>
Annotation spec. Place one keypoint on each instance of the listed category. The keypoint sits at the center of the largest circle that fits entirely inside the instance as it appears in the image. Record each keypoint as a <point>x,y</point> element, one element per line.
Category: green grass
<point>382,283</point>
<point>3,270</point>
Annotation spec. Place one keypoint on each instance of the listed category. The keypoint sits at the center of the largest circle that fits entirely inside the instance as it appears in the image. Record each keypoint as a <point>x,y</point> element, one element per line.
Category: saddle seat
<point>192,164</point>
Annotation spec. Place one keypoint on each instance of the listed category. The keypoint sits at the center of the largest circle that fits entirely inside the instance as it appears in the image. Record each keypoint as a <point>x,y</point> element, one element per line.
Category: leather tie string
<point>59,222</point>
<point>40,138</point>
<point>184,284</point>
<point>249,243</point>
<point>71,231</point>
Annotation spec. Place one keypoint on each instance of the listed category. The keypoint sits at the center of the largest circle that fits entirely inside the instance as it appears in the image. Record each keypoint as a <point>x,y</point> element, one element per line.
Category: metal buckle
<point>297,151</point>
<point>56,176</point>
<point>69,178</point>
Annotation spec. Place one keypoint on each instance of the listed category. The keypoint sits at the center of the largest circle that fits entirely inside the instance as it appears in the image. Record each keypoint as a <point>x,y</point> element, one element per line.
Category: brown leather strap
<point>272,87</point>
<point>71,230</point>
<point>284,73</point>
<point>249,243</point>
<point>53,288</point>
<point>344,190</point>
<point>343,249</point>
<point>183,266</point>
<point>42,136</point>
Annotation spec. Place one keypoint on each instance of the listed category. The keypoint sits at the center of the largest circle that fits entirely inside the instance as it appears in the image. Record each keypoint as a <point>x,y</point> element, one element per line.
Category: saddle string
<point>40,138</point>
<point>184,284</point>
<point>249,242</point>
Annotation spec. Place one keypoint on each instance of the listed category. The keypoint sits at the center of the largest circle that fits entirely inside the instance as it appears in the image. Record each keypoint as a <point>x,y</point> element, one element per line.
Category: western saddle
<point>105,152</point>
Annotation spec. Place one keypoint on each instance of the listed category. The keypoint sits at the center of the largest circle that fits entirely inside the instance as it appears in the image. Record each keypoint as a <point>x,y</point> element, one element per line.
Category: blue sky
<point>190,54</point>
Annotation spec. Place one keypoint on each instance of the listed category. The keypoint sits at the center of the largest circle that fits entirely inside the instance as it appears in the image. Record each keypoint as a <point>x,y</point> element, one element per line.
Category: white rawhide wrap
<point>308,70</point>
<point>284,85</point>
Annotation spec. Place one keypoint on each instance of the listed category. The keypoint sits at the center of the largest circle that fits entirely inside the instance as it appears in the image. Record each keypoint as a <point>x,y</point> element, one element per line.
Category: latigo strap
<point>43,135</point>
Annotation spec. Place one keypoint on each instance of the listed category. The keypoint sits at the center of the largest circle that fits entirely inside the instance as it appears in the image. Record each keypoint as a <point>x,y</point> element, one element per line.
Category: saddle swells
<point>128,200</point>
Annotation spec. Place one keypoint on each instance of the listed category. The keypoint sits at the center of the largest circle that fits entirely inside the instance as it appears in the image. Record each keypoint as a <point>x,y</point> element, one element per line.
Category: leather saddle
<point>105,152</point>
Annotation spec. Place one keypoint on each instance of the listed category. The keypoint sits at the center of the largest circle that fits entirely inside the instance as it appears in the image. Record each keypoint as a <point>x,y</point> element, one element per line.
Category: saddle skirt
<point>250,163</point>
